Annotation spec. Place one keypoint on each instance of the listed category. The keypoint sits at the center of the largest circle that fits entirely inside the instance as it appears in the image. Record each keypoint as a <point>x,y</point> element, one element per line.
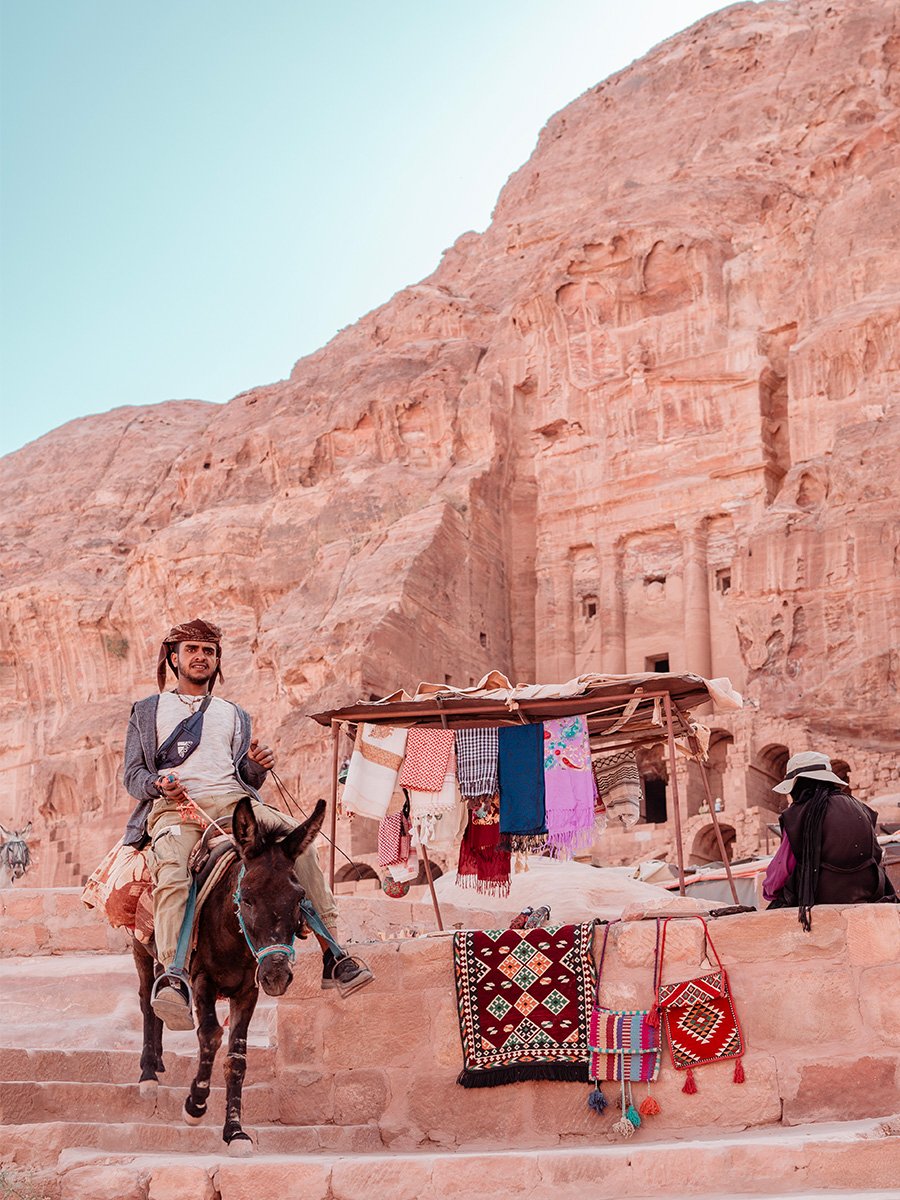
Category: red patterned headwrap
<point>190,631</point>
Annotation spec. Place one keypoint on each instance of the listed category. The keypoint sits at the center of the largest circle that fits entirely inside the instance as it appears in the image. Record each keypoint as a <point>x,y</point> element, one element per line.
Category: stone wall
<point>818,1010</point>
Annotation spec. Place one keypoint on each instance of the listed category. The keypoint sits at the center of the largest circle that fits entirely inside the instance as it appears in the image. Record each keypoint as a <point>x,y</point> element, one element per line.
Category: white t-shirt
<point>209,771</point>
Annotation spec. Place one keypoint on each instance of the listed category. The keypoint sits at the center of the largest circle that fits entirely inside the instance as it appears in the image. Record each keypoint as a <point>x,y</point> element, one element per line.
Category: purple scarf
<point>569,786</point>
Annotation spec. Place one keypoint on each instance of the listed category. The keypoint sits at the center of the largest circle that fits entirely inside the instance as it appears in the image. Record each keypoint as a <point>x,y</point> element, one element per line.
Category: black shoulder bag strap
<point>183,740</point>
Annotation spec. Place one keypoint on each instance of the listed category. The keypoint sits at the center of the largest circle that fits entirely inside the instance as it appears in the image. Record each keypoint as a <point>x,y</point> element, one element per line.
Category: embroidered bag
<point>699,1017</point>
<point>625,1048</point>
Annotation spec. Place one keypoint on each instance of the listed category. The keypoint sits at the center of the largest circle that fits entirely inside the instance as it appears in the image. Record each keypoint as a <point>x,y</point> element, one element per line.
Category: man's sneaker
<point>171,1002</point>
<point>345,974</point>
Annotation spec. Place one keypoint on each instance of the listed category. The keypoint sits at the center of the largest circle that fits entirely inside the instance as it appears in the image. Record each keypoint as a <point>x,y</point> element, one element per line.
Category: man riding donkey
<point>189,759</point>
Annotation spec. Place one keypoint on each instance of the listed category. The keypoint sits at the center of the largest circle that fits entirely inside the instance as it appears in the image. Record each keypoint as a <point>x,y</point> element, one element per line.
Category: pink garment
<point>779,869</point>
<point>569,786</point>
<point>427,757</point>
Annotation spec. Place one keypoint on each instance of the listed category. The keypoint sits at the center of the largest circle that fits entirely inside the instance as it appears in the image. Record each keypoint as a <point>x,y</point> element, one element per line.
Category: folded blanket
<point>569,786</point>
<point>521,775</point>
<point>476,762</point>
<point>619,783</point>
<point>425,807</point>
<point>372,775</point>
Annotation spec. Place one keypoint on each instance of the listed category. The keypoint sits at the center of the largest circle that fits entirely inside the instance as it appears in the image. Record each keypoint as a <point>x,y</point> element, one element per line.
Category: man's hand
<point>262,755</point>
<point>170,786</point>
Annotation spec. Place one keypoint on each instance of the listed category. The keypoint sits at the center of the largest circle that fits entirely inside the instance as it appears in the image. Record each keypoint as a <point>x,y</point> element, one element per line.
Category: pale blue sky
<point>196,193</point>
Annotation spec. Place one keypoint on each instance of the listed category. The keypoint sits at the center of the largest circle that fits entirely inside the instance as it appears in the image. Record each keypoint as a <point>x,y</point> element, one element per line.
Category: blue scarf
<point>523,828</point>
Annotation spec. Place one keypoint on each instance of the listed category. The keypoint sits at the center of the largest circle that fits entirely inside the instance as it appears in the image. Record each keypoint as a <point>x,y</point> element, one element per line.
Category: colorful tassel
<point>596,1100</point>
<point>653,1016</point>
<point>739,1071</point>
<point>649,1107</point>
<point>690,1087</point>
<point>623,1128</point>
<point>632,1115</point>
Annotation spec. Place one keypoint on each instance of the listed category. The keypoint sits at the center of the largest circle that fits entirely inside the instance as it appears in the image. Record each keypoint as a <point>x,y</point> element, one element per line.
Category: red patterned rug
<point>525,1000</point>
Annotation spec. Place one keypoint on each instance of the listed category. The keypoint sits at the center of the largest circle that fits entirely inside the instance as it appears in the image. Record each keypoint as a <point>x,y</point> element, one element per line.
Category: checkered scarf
<point>476,762</point>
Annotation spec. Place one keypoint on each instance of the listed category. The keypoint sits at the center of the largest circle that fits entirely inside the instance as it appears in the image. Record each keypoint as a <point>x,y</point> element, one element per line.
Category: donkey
<point>15,857</point>
<point>244,938</point>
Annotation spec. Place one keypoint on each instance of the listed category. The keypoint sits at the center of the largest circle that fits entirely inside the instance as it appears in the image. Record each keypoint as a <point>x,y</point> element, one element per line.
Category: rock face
<point>649,415</point>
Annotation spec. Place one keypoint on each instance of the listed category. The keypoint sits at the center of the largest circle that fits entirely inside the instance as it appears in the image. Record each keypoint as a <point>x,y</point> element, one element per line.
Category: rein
<point>263,951</point>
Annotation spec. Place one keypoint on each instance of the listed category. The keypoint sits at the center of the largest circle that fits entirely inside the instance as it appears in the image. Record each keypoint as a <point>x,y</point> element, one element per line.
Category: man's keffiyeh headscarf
<point>190,631</point>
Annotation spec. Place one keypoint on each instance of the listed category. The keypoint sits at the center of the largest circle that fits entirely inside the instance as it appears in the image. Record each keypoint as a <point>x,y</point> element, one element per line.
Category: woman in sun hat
<point>829,853</point>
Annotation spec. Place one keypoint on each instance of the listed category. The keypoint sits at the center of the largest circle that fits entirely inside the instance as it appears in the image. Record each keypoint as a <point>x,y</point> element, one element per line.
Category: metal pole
<point>675,797</point>
<point>335,744</point>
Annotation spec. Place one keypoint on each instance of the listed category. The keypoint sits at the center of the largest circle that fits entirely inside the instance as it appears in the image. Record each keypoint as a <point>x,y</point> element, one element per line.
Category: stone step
<point>117,1066</point>
<point>852,1158</point>
<point>27,1101</point>
<point>42,1143</point>
<point>81,1001</point>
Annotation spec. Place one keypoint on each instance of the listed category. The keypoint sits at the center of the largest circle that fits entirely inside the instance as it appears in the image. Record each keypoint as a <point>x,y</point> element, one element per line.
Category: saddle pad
<point>524,999</point>
<point>624,1046</point>
<point>700,1021</point>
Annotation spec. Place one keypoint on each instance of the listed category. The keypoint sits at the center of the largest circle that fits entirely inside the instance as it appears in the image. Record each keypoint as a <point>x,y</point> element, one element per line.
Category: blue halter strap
<point>263,951</point>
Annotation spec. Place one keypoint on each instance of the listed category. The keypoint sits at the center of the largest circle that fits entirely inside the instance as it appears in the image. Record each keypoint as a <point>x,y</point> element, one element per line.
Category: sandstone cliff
<point>650,413</point>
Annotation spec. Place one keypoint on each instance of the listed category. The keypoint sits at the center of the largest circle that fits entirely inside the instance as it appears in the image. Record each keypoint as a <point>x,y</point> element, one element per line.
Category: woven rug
<point>525,999</point>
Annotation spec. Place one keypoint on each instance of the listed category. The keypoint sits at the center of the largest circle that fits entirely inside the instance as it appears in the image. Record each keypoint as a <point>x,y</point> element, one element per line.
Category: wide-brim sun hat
<point>808,764</point>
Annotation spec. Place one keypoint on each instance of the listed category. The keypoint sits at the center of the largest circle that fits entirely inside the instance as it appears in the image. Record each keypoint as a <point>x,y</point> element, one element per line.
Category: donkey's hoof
<point>190,1118</point>
<point>148,1089</point>
<point>240,1147</point>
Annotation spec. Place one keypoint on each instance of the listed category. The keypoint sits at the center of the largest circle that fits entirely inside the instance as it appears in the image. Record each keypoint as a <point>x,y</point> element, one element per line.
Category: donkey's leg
<point>209,1035</point>
<point>151,1049</point>
<point>242,1006</point>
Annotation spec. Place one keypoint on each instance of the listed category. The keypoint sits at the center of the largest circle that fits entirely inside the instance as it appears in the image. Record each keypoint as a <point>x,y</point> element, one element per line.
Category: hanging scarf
<point>619,783</point>
<point>372,774</point>
<point>432,812</point>
<point>521,773</point>
<point>569,786</point>
<point>427,755</point>
<point>482,864</point>
<point>476,762</point>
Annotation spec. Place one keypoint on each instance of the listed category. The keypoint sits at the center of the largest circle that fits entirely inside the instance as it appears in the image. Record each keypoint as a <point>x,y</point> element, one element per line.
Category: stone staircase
<point>347,1100</point>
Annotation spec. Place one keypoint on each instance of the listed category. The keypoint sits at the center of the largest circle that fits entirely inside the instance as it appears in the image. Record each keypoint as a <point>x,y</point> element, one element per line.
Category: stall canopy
<point>620,710</point>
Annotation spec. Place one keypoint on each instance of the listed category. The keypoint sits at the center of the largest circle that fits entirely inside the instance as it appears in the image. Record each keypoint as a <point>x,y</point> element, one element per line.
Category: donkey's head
<point>15,856</point>
<point>268,893</point>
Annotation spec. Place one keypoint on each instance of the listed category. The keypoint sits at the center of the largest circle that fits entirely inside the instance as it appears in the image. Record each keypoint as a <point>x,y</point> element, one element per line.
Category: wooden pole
<point>427,862</point>
<point>694,743</point>
<point>695,746</point>
<point>670,733</point>
<point>434,899</point>
<point>335,745</point>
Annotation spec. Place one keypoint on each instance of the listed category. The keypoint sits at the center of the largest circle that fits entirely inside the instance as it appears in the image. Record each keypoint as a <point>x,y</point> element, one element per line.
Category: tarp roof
<point>604,699</point>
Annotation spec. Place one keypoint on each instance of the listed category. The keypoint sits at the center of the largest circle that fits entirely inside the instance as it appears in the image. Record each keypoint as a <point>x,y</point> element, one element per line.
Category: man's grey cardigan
<point>140,774</point>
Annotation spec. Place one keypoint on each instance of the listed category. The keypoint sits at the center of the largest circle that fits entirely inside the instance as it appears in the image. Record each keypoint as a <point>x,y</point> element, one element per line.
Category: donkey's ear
<point>25,832</point>
<point>298,839</point>
<point>244,828</point>
<point>4,831</point>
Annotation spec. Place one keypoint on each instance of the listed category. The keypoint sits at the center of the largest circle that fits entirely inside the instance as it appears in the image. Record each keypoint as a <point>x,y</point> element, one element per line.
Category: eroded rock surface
<point>649,414</point>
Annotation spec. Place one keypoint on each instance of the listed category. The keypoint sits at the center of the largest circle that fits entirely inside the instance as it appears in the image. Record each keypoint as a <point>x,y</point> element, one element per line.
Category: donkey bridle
<point>263,951</point>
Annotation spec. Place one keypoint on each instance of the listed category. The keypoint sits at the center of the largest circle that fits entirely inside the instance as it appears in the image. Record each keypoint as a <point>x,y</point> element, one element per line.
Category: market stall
<point>621,713</point>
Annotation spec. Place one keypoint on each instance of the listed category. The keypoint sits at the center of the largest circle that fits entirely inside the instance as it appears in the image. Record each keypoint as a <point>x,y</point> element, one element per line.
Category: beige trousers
<point>172,840</point>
